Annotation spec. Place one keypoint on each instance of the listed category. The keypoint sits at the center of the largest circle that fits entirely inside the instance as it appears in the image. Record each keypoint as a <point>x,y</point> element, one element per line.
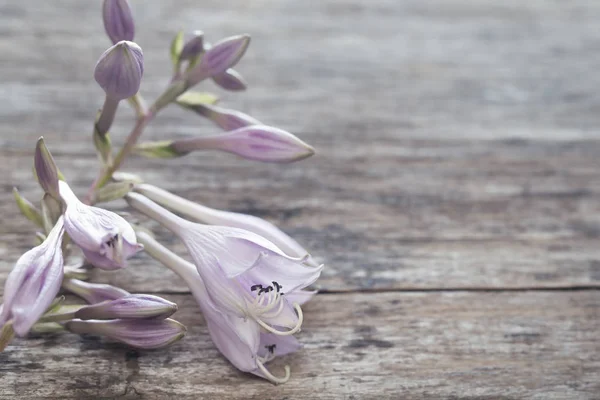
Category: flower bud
<point>94,292</point>
<point>120,69</point>
<point>45,169</point>
<point>219,58</point>
<point>257,142</point>
<point>230,80</point>
<point>194,47</point>
<point>140,333</point>
<point>34,282</point>
<point>226,119</point>
<point>28,209</point>
<point>133,306</point>
<point>118,20</point>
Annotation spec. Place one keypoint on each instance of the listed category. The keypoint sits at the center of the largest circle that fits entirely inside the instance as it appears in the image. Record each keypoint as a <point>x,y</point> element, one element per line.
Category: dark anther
<point>277,286</point>
<point>255,287</point>
<point>271,348</point>
<point>268,289</point>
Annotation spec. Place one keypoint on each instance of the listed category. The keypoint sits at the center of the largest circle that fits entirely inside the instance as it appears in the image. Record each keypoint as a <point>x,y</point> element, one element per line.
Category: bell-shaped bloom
<point>140,333</point>
<point>107,240</point>
<point>120,69</point>
<point>212,216</point>
<point>218,59</point>
<point>133,306</point>
<point>239,339</point>
<point>118,20</point>
<point>246,274</point>
<point>257,142</point>
<point>34,282</point>
<point>94,292</point>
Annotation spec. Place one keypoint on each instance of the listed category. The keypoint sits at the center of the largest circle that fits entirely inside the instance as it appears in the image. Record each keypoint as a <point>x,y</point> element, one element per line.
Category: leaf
<point>191,98</point>
<point>176,47</point>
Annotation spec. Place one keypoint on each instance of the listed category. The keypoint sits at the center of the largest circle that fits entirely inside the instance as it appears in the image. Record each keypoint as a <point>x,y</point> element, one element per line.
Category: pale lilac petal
<point>34,282</point>
<point>193,47</point>
<point>120,69</point>
<point>300,296</point>
<point>106,239</point>
<point>276,346</point>
<point>118,20</point>
<point>94,292</point>
<point>230,80</point>
<point>140,333</point>
<point>134,306</point>
<point>237,339</point>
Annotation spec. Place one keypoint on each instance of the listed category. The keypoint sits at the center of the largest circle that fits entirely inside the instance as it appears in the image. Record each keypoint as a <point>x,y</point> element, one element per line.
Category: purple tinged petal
<point>34,282</point>
<point>118,20</point>
<point>277,346</point>
<point>222,56</point>
<point>134,306</point>
<point>230,80</point>
<point>212,216</point>
<point>94,292</point>
<point>257,142</point>
<point>140,333</point>
<point>106,239</point>
<point>226,119</point>
<point>301,296</point>
<point>120,69</point>
<point>194,47</point>
<point>45,169</point>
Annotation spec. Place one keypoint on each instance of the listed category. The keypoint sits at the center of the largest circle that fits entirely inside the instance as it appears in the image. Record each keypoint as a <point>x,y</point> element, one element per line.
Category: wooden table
<point>455,196</point>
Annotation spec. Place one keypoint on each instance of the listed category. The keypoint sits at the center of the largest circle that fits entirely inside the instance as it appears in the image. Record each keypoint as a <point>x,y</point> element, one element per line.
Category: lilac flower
<point>133,306</point>
<point>140,333</point>
<point>257,142</point>
<point>211,216</point>
<point>118,20</point>
<point>107,240</point>
<point>120,69</point>
<point>246,274</point>
<point>239,339</point>
<point>34,282</point>
<point>222,56</point>
<point>94,292</point>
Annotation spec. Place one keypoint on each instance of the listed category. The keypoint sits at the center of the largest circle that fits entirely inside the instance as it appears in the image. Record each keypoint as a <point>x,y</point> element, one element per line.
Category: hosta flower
<point>212,216</point>
<point>34,282</point>
<point>239,339</point>
<point>246,275</point>
<point>120,69</point>
<point>133,306</point>
<point>94,292</point>
<point>107,240</point>
<point>118,20</point>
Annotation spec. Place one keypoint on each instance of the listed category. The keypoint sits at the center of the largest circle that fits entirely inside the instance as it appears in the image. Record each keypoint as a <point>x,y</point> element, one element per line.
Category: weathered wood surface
<point>540,345</point>
<point>457,149</point>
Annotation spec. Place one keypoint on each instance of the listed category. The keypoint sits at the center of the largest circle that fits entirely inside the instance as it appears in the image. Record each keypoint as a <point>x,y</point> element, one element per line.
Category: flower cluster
<point>248,277</point>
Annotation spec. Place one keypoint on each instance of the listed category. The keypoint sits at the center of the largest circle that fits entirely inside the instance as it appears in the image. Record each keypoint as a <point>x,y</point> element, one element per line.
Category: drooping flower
<point>212,216</point>
<point>94,292</point>
<point>239,339</point>
<point>246,275</point>
<point>34,282</point>
<point>107,240</point>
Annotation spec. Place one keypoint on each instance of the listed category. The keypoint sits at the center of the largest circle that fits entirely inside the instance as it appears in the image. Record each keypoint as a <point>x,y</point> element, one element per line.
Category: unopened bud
<point>94,292</point>
<point>194,47</point>
<point>141,333</point>
<point>118,20</point>
<point>45,169</point>
<point>28,209</point>
<point>219,58</point>
<point>120,69</point>
<point>226,119</point>
<point>134,306</point>
<point>257,142</point>
<point>230,80</point>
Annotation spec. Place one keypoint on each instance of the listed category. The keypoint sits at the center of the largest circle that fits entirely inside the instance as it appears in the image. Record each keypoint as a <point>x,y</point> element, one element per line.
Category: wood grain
<point>357,346</point>
<point>457,152</point>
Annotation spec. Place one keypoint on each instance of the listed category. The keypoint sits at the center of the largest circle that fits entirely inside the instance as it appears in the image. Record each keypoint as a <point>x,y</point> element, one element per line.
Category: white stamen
<point>272,377</point>
<point>284,333</point>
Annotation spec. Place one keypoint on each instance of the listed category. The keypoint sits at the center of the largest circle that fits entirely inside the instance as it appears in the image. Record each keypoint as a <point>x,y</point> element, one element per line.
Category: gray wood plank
<point>526,345</point>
